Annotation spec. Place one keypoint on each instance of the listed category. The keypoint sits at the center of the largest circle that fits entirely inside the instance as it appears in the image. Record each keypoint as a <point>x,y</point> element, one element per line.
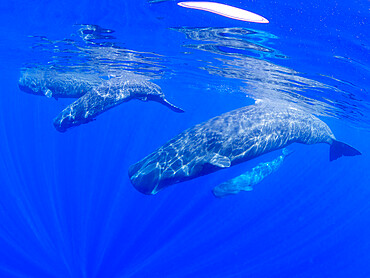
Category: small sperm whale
<point>95,94</point>
<point>230,139</point>
<point>246,181</point>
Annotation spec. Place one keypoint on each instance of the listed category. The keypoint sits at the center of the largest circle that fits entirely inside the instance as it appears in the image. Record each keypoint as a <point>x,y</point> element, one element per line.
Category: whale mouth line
<point>28,89</point>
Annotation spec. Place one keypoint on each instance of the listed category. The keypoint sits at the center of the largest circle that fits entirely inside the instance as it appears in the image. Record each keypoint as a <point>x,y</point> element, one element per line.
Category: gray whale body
<point>230,139</point>
<point>95,94</point>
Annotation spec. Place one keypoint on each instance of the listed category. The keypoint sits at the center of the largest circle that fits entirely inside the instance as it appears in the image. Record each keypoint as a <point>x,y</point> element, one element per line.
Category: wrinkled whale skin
<point>227,140</point>
<point>59,84</point>
<point>103,97</point>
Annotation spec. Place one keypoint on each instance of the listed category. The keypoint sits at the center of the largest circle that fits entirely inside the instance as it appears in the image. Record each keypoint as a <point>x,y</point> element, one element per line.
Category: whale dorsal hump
<point>219,160</point>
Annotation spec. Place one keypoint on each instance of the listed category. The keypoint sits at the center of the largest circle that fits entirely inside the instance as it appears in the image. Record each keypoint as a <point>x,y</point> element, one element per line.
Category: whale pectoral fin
<point>220,161</point>
<point>338,149</point>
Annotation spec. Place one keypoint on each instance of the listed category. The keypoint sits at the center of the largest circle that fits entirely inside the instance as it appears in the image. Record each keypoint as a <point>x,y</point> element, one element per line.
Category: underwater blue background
<point>67,207</point>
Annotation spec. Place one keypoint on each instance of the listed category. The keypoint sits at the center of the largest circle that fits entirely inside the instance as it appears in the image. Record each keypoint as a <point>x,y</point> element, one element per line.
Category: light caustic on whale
<point>95,94</point>
<point>230,139</point>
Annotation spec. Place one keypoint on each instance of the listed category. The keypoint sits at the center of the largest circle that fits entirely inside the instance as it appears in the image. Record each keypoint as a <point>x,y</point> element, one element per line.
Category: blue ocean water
<point>67,207</point>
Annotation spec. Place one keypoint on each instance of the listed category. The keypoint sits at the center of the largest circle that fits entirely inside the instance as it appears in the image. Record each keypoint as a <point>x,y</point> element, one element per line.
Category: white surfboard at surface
<point>225,10</point>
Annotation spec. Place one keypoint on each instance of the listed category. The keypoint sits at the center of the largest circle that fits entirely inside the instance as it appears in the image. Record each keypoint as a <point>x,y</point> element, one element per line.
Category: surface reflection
<point>93,48</point>
<point>246,55</point>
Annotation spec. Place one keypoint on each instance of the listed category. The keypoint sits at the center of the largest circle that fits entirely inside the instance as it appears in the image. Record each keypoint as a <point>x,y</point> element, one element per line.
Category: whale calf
<point>230,139</point>
<point>246,181</point>
<point>95,94</point>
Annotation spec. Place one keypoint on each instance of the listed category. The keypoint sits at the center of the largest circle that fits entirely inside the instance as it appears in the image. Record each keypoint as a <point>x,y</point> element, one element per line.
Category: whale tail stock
<point>339,149</point>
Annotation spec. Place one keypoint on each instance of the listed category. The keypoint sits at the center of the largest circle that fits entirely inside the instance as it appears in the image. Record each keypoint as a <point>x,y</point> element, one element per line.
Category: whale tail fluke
<point>171,106</point>
<point>339,149</point>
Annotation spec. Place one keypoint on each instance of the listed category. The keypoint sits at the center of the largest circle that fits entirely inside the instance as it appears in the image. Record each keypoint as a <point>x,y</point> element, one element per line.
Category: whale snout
<point>61,124</point>
<point>30,84</point>
<point>26,89</point>
<point>27,86</point>
<point>64,120</point>
<point>69,118</point>
<point>145,178</point>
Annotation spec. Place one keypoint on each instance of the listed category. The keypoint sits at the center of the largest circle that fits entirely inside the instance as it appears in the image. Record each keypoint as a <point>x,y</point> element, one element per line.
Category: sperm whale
<point>95,94</point>
<point>230,139</point>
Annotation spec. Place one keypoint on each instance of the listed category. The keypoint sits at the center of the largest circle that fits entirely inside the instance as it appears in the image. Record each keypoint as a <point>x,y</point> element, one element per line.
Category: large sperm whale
<point>95,94</point>
<point>230,139</point>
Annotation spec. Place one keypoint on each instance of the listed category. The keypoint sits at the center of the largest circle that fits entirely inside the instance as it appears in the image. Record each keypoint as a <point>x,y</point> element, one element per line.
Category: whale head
<point>149,176</point>
<point>145,178</point>
<point>33,82</point>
